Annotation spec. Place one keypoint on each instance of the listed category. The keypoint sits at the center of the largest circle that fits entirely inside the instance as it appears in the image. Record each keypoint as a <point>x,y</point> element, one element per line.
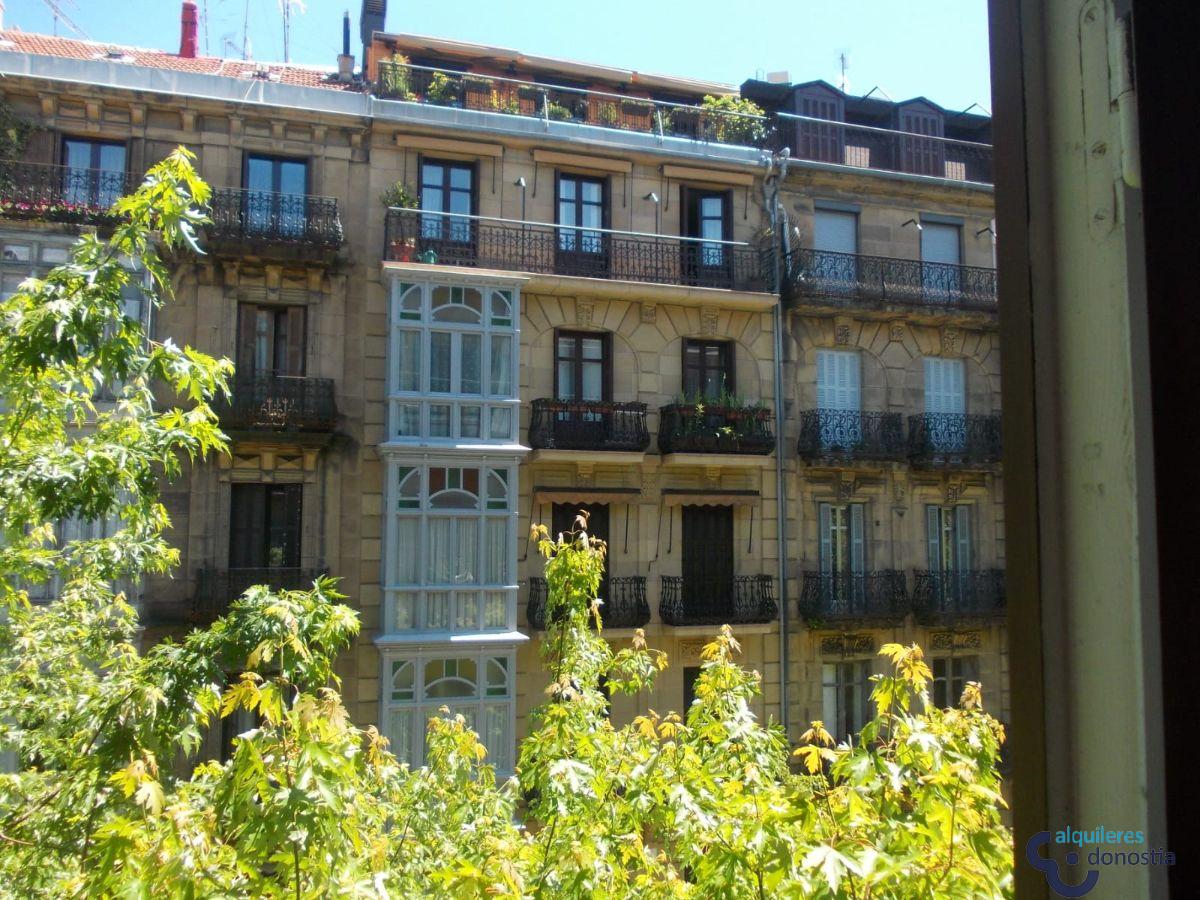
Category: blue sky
<point>937,48</point>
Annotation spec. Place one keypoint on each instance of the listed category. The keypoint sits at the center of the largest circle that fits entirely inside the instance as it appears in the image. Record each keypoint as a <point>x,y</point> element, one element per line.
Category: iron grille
<point>588,425</point>
<point>710,428</point>
<point>942,596</point>
<point>953,439</point>
<point>624,603</point>
<point>740,600</point>
<point>60,193</point>
<point>831,597</point>
<point>280,403</point>
<point>268,217</point>
<point>850,434</point>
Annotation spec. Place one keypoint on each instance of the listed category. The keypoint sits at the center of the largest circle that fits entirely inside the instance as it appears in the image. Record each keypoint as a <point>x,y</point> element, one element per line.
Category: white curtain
<point>495,569</point>
<point>501,366</point>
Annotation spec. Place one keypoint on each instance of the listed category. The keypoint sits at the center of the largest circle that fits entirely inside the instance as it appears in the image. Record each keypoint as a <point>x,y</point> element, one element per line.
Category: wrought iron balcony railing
<point>240,216</point>
<point>60,193</point>
<point>488,93</point>
<point>849,434</point>
<point>942,596</point>
<point>280,403</point>
<point>588,425</point>
<point>834,597</point>
<point>543,249</point>
<point>624,604</point>
<point>850,279</point>
<point>711,428</point>
<point>953,439</point>
<point>740,600</point>
<point>217,588</point>
<point>869,147</point>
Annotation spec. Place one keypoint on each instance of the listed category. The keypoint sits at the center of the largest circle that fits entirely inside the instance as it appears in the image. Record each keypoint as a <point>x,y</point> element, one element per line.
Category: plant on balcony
<point>15,131</point>
<point>398,196</point>
<point>395,77</point>
<point>607,115</point>
<point>737,415</point>
<point>733,120</point>
<point>443,89</point>
<point>557,112</point>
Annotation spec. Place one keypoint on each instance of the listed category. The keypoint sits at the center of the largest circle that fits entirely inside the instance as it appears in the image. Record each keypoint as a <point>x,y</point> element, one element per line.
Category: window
<point>707,369</point>
<point>842,541</point>
<point>690,675</point>
<point>835,247</point>
<point>941,256</point>
<point>945,403</point>
<point>583,366</point>
<point>453,362</point>
<point>477,687</point>
<point>838,398</point>
<point>706,215</point>
<point>270,340</point>
<point>93,172</point>
<point>950,677</point>
<point>451,554</point>
<point>583,207</point>
<point>846,696</point>
<point>948,530</point>
<point>264,526</point>
<point>447,187</point>
<point>275,199</point>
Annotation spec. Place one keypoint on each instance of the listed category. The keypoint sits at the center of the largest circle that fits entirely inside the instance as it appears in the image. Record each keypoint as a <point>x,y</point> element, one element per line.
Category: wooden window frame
<point>447,164</point>
<point>606,361</point>
<point>247,334</point>
<point>728,353</point>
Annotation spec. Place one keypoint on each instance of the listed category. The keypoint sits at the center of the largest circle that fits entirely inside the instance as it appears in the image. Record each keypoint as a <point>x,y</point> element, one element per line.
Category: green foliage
<point>14,133</point>
<point>398,195</point>
<point>110,800</point>
<point>443,89</point>
<point>557,112</point>
<point>733,120</point>
<point>395,77</point>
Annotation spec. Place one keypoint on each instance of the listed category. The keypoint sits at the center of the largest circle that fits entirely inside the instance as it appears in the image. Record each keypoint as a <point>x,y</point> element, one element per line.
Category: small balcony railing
<point>740,600</point>
<point>217,588</point>
<point>588,425</point>
<point>835,597</point>
<point>280,403</point>
<point>870,147</point>
<point>624,603</point>
<point>850,279</point>
<point>953,439</point>
<point>543,249</point>
<point>711,428</point>
<point>943,596</point>
<point>60,193</point>
<point>240,216</point>
<point>552,103</point>
<point>837,434</point>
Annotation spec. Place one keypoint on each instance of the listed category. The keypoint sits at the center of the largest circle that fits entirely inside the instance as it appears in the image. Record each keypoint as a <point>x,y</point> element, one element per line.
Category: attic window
<point>115,54</point>
<point>262,73</point>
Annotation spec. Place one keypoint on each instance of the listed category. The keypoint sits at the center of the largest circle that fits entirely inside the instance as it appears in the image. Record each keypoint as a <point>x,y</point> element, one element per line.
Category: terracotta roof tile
<point>69,48</point>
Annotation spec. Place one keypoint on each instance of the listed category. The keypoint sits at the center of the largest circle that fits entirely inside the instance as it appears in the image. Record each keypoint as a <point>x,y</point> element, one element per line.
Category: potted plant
<point>398,196</point>
<point>607,115</point>
<point>443,90</point>
<point>394,76</point>
<point>559,113</point>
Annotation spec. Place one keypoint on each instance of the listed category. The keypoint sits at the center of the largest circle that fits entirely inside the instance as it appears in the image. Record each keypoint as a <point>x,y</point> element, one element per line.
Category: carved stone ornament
<point>583,313</point>
<point>896,331</point>
<point>649,313</point>
<point>841,335</point>
<point>951,341</point>
<point>708,320</point>
<point>847,645</point>
<point>956,640</point>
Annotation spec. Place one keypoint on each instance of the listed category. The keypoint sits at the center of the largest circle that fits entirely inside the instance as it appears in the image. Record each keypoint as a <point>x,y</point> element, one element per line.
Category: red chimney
<point>188,23</point>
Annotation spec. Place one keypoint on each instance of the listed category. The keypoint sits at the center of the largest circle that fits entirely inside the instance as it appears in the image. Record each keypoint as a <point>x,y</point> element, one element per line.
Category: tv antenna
<point>285,7</point>
<point>844,65</point>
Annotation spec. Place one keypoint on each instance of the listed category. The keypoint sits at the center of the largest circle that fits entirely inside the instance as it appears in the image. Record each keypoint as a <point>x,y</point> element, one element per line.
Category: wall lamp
<point>988,230</point>
<point>520,183</point>
<point>653,198</point>
<point>912,222</point>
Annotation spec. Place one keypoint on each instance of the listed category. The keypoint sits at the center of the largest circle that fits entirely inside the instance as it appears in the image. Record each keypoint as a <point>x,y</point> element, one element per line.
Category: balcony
<point>841,597</point>
<point>280,403</point>
<point>953,440</point>
<point>713,428</point>
<point>543,249</point>
<point>870,147</point>
<point>268,223</point>
<point>60,194</point>
<point>850,279</point>
<point>941,598</point>
<point>849,435</point>
<point>588,425</point>
<point>624,606</point>
<point>741,600</point>
<point>217,588</point>
<point>552,103</point>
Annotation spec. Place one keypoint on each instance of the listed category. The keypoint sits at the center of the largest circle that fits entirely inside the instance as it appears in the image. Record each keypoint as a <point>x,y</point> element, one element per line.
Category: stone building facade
<point>594,292</point>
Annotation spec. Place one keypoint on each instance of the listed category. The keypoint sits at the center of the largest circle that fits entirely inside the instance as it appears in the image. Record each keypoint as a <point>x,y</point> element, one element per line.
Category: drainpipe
<point>777,165</point>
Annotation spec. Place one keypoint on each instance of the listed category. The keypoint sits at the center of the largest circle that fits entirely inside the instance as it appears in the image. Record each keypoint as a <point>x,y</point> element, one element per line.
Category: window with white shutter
<point>945,403</point>
<point>941,256</point>
<point>835,246</point>
<point>839,398</point>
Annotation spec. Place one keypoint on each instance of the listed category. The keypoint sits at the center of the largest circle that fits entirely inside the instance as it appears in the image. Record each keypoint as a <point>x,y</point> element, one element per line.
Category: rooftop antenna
<point>56,11</point>
<point>285,7</point>
<point>204,20</point>
<point>844,64</point>
<point>246,32</point>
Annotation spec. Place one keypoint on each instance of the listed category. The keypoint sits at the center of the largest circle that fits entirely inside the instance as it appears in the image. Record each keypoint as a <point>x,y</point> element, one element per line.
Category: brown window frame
<point>447,165</point>
<point>605,207</point>
<point>295,353</point>
<point>727,364</point>
<point>251,534</point>
<point>606,361</point>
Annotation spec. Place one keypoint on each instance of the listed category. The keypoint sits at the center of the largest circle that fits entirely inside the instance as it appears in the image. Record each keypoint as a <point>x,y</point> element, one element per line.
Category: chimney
<point>188,23</point>
<point>345,60</point>
<point>374,12</point>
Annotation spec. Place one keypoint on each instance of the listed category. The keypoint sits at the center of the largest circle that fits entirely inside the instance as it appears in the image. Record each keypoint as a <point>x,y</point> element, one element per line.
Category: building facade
<point>470,290</point>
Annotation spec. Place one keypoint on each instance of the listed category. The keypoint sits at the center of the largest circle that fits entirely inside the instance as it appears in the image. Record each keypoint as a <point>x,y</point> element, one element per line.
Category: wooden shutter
<point>835,231</point>
<point>247,326</point>
<point>933,524</point>
<point>825,525</point>
<point>814,140</point>
<point>922,155</point>
<point>962,537</point>
<point>247,525</point>
<point>825,379</point>
<point>944,386</point>
<point>858,556</point>
<point>941,243</point>
<point>727,355</point>
<point>838,380</point>
<point>293,493</point>
<point>295,340</point>
<point>606,366</point>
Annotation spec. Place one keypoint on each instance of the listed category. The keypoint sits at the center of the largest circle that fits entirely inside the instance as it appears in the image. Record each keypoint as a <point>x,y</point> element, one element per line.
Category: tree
<point>106,802</point>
